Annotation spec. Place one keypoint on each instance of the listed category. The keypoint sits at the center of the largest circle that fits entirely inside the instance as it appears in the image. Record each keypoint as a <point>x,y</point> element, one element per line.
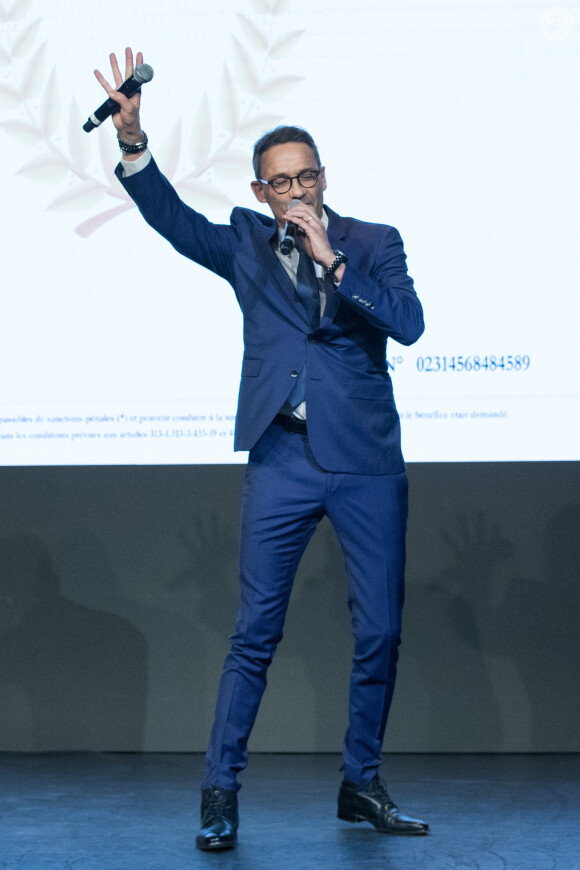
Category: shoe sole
<point>347,817</point>
<point>354,818</point>
<point>214,845</point>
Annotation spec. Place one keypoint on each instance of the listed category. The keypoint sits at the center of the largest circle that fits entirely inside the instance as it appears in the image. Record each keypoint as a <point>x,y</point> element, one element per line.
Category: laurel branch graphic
<point>27,90</point>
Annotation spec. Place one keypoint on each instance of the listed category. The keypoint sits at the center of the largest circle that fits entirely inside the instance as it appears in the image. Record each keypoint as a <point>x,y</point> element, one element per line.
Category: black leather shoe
<point>219,819</point>
<point>371,803</point>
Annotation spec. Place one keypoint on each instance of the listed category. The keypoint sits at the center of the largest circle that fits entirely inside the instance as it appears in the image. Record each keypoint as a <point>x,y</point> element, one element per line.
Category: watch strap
<point>338,259</point>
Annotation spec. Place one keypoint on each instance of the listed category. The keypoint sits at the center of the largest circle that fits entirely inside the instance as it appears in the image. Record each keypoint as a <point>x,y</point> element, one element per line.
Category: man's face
<point>289,159</point>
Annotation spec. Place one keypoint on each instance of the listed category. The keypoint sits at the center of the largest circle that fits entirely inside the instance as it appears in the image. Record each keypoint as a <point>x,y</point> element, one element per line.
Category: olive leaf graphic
<point>249,83</point>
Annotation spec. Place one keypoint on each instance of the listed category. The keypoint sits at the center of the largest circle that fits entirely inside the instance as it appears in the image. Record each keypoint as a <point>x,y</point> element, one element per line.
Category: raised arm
<point>190,233</point>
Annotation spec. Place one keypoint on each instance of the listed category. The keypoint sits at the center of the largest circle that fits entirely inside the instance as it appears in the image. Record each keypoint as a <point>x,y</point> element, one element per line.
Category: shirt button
<point>294,374</point>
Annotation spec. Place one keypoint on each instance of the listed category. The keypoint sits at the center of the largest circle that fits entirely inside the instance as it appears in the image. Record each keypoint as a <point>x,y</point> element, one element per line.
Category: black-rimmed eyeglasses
<point>283,183</point>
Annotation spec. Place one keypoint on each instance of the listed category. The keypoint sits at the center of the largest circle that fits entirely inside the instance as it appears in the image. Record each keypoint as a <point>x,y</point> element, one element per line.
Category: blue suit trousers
<point>286,494</point>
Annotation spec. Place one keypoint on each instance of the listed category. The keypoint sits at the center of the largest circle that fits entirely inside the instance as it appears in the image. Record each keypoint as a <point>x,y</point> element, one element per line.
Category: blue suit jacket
<point>353,424</point>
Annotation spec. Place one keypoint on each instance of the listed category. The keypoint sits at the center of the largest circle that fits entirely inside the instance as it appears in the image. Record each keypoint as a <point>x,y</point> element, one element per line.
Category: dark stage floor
<point>118,812</point>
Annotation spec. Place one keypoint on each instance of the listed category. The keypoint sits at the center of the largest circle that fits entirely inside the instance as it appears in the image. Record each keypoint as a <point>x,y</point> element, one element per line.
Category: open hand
<point>127,119</point>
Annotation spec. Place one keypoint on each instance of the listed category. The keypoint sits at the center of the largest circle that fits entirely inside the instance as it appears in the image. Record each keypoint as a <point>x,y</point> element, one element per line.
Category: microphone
<point>142,73</point>
<point>289,234</point>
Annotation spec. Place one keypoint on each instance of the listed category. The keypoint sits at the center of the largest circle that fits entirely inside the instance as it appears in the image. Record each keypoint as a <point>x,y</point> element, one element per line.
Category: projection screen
<point>455,122</point>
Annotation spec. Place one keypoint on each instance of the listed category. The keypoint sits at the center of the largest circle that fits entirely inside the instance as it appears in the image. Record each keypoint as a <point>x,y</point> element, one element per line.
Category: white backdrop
<point>457,123</point>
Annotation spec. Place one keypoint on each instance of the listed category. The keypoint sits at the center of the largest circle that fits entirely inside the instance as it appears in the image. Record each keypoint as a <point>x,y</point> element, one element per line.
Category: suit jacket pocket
<point>370,389</point>
<point>251,367</point>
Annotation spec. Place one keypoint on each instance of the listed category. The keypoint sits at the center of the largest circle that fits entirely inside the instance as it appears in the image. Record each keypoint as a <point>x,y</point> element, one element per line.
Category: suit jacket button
<point>312,339</point>
<point>294,374</point>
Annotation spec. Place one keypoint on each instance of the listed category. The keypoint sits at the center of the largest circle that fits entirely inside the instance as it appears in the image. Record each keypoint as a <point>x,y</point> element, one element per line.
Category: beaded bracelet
<point>338,259</point>
<point>130,148</point>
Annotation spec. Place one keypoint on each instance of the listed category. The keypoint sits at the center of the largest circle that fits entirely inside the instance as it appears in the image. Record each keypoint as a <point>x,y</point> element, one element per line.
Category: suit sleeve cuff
<point>132,167</point>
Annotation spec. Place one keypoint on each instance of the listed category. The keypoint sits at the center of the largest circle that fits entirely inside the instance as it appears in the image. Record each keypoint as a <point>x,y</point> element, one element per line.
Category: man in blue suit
<point>316,412</point>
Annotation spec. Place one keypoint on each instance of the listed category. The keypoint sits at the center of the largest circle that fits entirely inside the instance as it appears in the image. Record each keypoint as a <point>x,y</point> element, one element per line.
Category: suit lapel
<point>273,275</point>
<point>336,234</point>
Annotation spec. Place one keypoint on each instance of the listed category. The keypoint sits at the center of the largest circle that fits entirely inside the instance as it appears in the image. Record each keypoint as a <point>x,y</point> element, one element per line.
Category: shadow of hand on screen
<point>72,678</point>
